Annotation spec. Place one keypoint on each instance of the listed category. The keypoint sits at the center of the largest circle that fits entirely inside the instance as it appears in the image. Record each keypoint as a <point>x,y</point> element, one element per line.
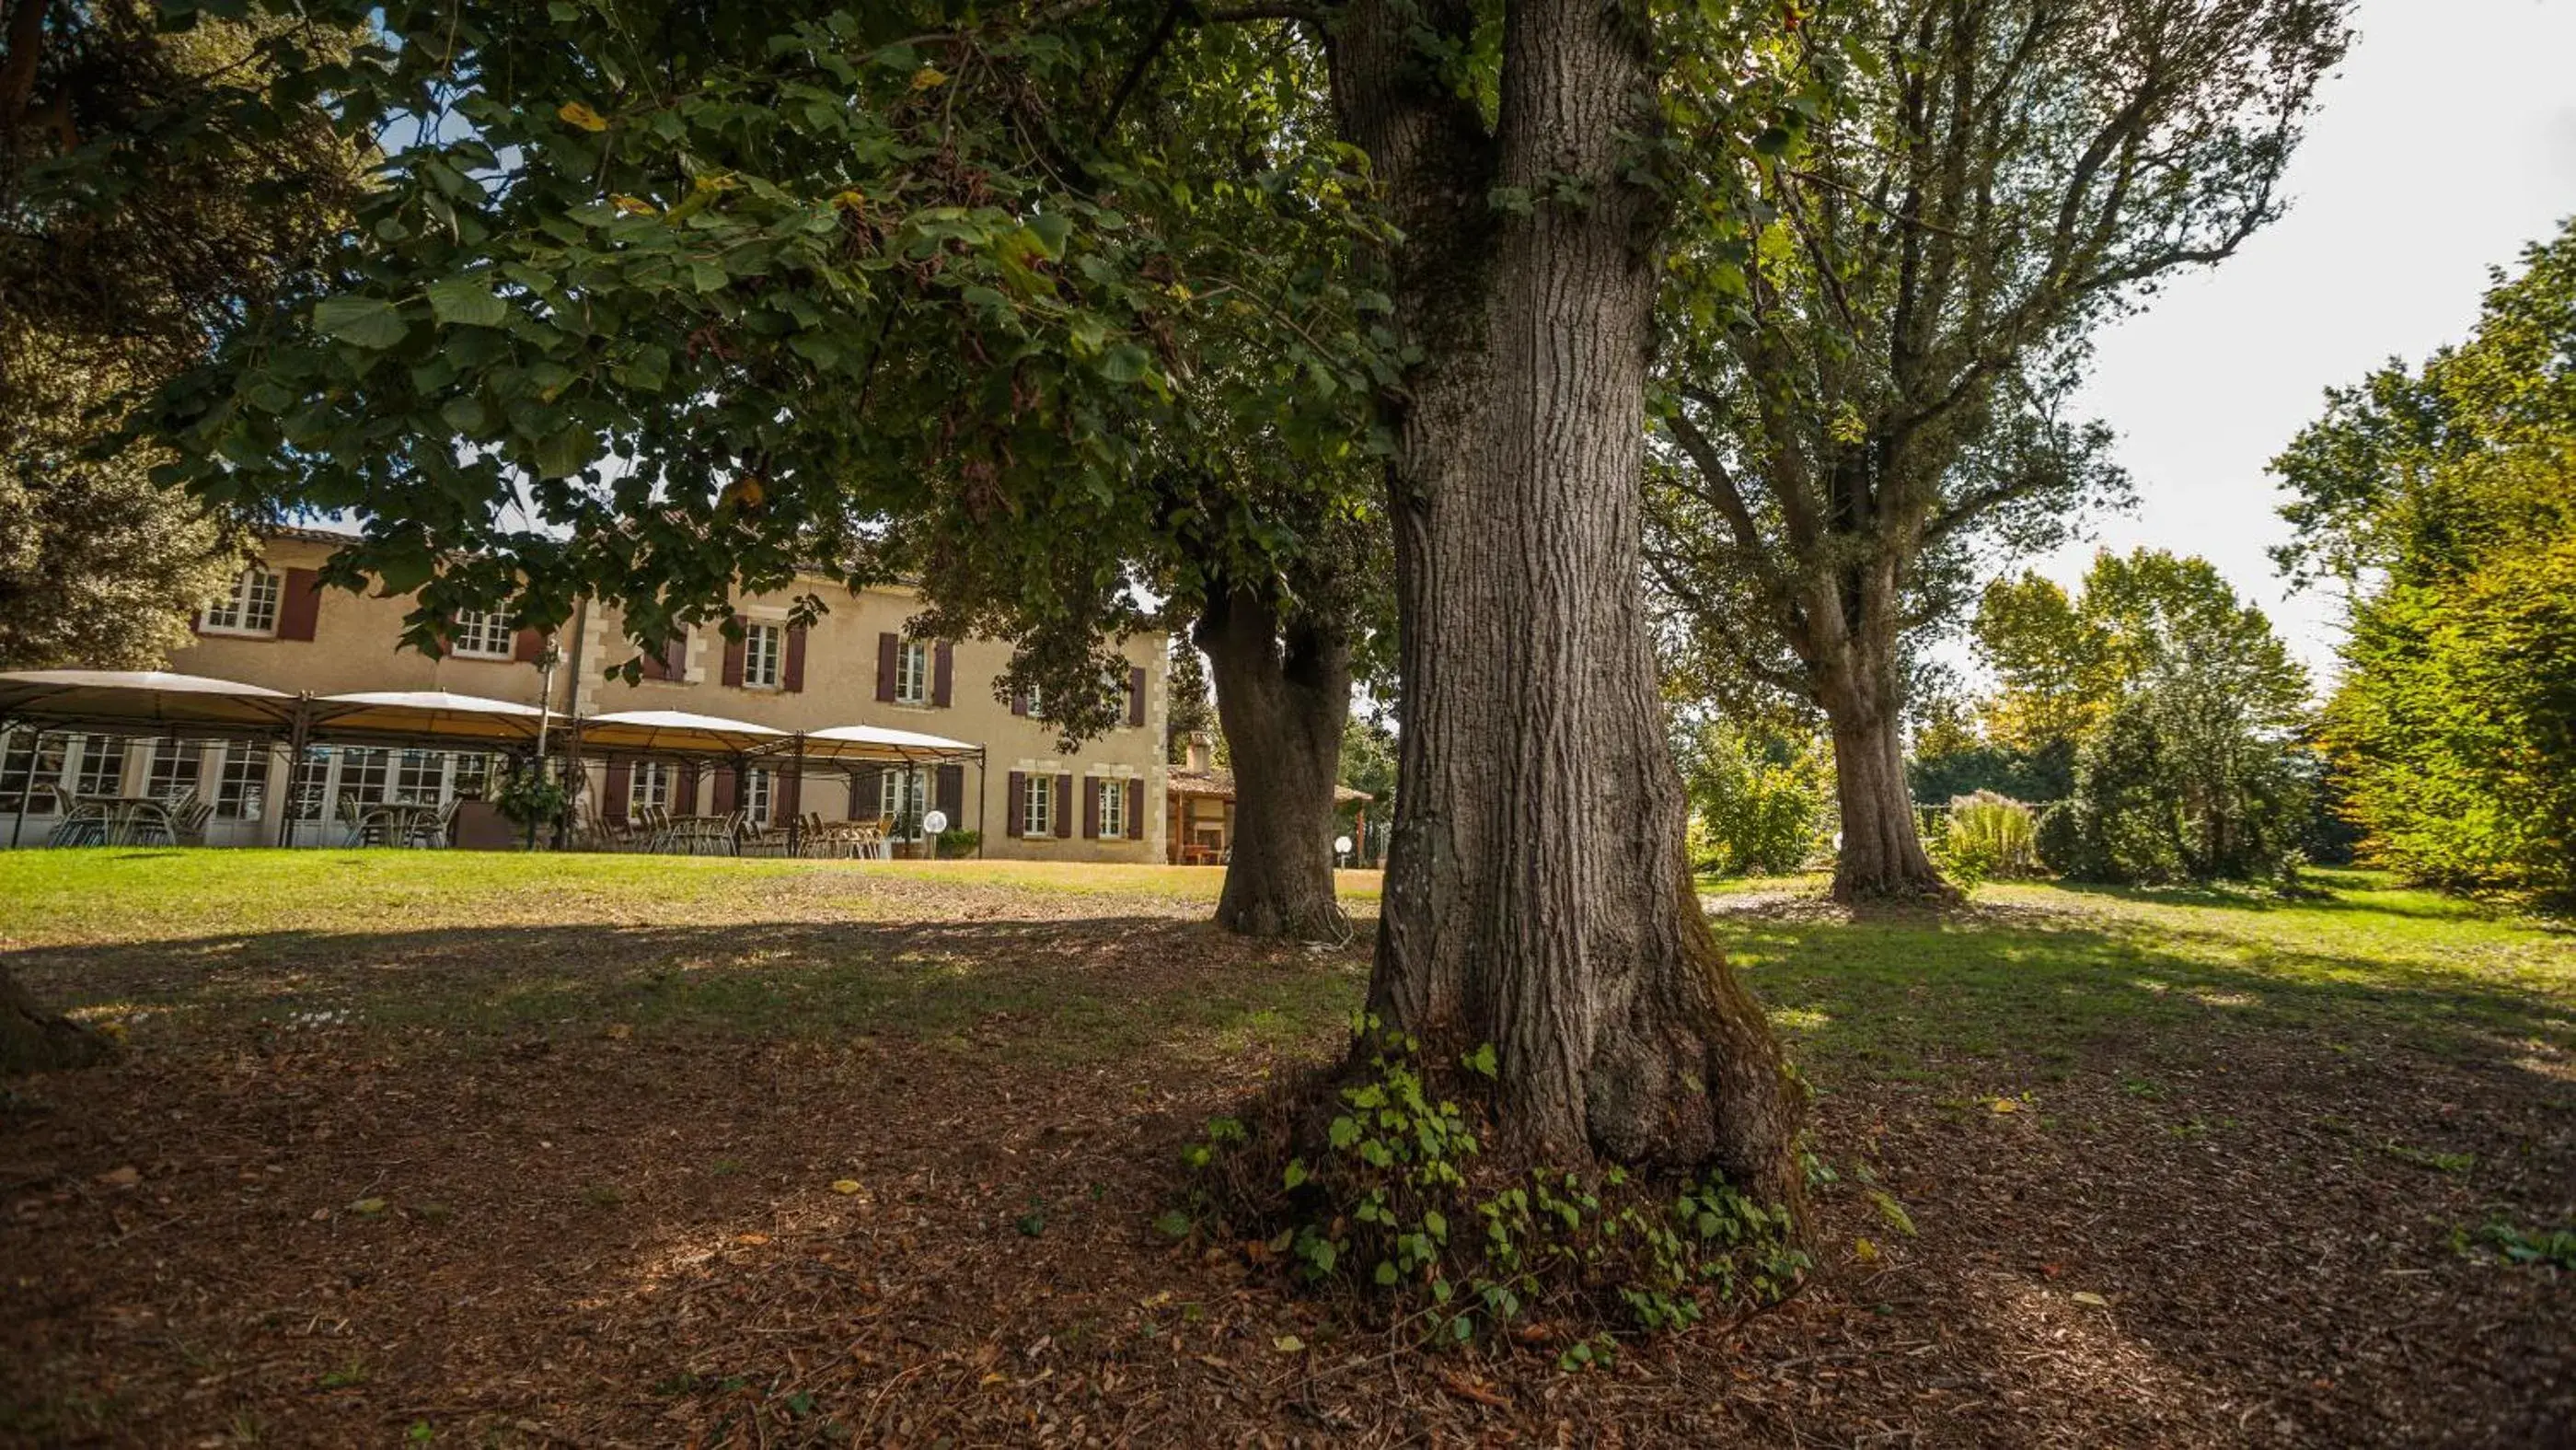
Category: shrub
<point>1759,803</point>
<point>1989,835</point>
<point>960,842</point>
<point>2179,785</point>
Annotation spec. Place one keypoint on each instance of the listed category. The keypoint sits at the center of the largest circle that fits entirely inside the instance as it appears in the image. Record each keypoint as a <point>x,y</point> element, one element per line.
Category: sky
<point>2444,144</point>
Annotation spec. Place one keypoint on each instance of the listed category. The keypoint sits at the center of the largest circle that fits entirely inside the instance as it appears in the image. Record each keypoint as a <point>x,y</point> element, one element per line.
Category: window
<point>762,650</point>
<point>312,782</point>
<point>755,795</point>
<point>420,776</point>
<point>241,789</point>
<point>912,673</point>
<point>1037,703</point>
<point>363,774</point>
<point>27,760</point>
<point>1037,818</point>
<point>649,785</point>
<point>481,635</point>
<point>251,607</point>
<point>472,780</point>
<point>904,795</point>
<point>177,765</point>
<point>102,766</point>
<point>1113,808</point>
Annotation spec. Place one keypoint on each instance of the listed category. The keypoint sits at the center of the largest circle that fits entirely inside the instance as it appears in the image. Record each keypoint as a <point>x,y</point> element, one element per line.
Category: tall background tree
<point>1890,404</point>
<point>144,207</point>
<point>2442,499</point>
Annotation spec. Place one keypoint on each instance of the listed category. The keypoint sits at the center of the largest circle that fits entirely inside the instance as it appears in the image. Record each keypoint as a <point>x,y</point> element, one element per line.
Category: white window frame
<point>100,756</point>
<point>1037,812</point>
<point>764,655</point>
<point>241,782</point>
<point>759,793</point>
<point>912,672</point>
<point>250,609</point>
<point>650,783</point>
<point>481,634</point>
<point>1113,807</point>
<point>1037,703</point>
<point>903,796</point>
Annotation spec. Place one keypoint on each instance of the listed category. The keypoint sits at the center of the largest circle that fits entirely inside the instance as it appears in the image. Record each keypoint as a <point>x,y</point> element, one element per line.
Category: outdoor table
<point>401,820</point>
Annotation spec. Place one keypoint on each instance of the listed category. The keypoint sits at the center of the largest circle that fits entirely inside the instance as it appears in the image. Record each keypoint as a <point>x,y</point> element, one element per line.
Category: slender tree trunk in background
<point>1538,896</point>
<point>34,1040</point>
<point>1850,650</point>
<point>1282,692</point>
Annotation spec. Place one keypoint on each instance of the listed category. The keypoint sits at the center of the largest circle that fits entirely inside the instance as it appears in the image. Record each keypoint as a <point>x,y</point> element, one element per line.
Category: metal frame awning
<point>142,702</point>
<point>436,718</point>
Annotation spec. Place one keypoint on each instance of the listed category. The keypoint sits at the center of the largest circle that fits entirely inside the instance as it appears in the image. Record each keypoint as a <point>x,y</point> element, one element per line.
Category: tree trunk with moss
<point>1538,895</point>
<point>34,1040</point>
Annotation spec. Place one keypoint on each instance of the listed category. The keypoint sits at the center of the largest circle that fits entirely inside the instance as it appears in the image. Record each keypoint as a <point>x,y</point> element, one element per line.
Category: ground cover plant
<point>448,1148</point>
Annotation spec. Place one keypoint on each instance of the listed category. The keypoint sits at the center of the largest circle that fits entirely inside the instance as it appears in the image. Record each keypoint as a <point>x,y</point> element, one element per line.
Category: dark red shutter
<point>528,646</point>
<point>1064,807</point>
<point>785,799</point>
<point>943,673</point>
<point>1135,810</point>
<point>299,604</point>
<point>675,656</point>
<point>950,788</point>
<point>684,797</point>
<point>621,785</point>
<point>1019,815</point>
<point>1019,702</point>
<point>1091,809</point>
<point>867,793</point>
<point>1136,696</point>
<point>887,644</point>
<point>725,792</point>
<point>733,655</point>
<point>792,677</point>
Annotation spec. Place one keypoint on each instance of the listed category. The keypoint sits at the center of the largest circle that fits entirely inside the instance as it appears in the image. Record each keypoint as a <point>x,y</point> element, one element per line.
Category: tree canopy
<point>2443,499</point>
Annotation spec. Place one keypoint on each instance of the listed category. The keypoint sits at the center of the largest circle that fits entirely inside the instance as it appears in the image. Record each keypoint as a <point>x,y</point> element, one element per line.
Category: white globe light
<point>935,822</point>
<point>1342,845</point>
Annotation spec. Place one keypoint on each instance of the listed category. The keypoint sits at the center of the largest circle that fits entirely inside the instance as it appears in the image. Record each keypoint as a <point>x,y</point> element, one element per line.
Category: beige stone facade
<point>827,675</point>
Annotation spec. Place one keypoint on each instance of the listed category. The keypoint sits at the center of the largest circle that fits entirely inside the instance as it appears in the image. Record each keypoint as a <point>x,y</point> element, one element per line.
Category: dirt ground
<point>598,1224</point>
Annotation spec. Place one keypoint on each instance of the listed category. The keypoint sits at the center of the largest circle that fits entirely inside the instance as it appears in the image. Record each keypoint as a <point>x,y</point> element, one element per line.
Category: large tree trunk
<point>34,1040</point>
<point>1850,649</point>
<point>1538,897</point>
<point>1281,694</point>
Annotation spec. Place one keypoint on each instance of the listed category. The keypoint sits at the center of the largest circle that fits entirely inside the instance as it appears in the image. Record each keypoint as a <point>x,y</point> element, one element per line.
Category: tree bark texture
<point>1854,667</point>
<point>34,1040</point>
<point>1282,691</point>
<point>1538,895</point>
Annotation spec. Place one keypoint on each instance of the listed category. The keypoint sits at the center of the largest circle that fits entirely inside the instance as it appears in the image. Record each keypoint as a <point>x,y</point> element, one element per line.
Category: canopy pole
<point>983,797</point>
<point>796,817</point>
<point>19,826</point>
<point>299,733</point>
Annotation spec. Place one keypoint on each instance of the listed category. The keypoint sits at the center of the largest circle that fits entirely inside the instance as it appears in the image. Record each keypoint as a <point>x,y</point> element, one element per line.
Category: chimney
<point>1202,752</point>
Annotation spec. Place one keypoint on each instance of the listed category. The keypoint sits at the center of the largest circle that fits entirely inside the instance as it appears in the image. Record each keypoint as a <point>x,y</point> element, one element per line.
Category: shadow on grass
<point>1898,996</point>
<point>1058,991</point>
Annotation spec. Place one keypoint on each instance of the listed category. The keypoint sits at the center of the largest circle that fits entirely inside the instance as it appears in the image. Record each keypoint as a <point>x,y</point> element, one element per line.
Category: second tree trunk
<point>1282,691</point>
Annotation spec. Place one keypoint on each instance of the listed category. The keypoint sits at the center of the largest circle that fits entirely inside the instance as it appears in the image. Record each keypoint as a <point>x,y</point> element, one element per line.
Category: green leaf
<point>707,276</point>
<point>563,454</point>
<point>1386,1275</point>
<point>466,302</point>
<point>369,322</point>
<point>1125,363</point>
<point>1296,1172</point>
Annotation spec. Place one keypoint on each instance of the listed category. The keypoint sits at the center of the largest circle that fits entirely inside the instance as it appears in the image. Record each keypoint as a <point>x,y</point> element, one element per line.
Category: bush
<point>2179,785</point>
<point>1989,835</point>
<point>960,842</point>
<point>1759,803</point>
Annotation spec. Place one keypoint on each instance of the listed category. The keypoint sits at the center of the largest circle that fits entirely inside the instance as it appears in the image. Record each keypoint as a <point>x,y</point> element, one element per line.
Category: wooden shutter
<point>684,796</point>
<point>675,656</point>
<point>1019,806</point>
<point>791,676</point>
<point>943,673</point>
<point>1136,696</point>
<point>950,789</point>
<point>1091,808</point>
<point>785,794</point>
<point>299,604</point>
<point>1064,807</point>
<point>867,793</point>
<point>621,785</point>
<point>887,646</point>
<point>1019,702</point>
<point>733,655</point>
<point>1135,810</point>
<point>726,791</point>
<point>528,646</point>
